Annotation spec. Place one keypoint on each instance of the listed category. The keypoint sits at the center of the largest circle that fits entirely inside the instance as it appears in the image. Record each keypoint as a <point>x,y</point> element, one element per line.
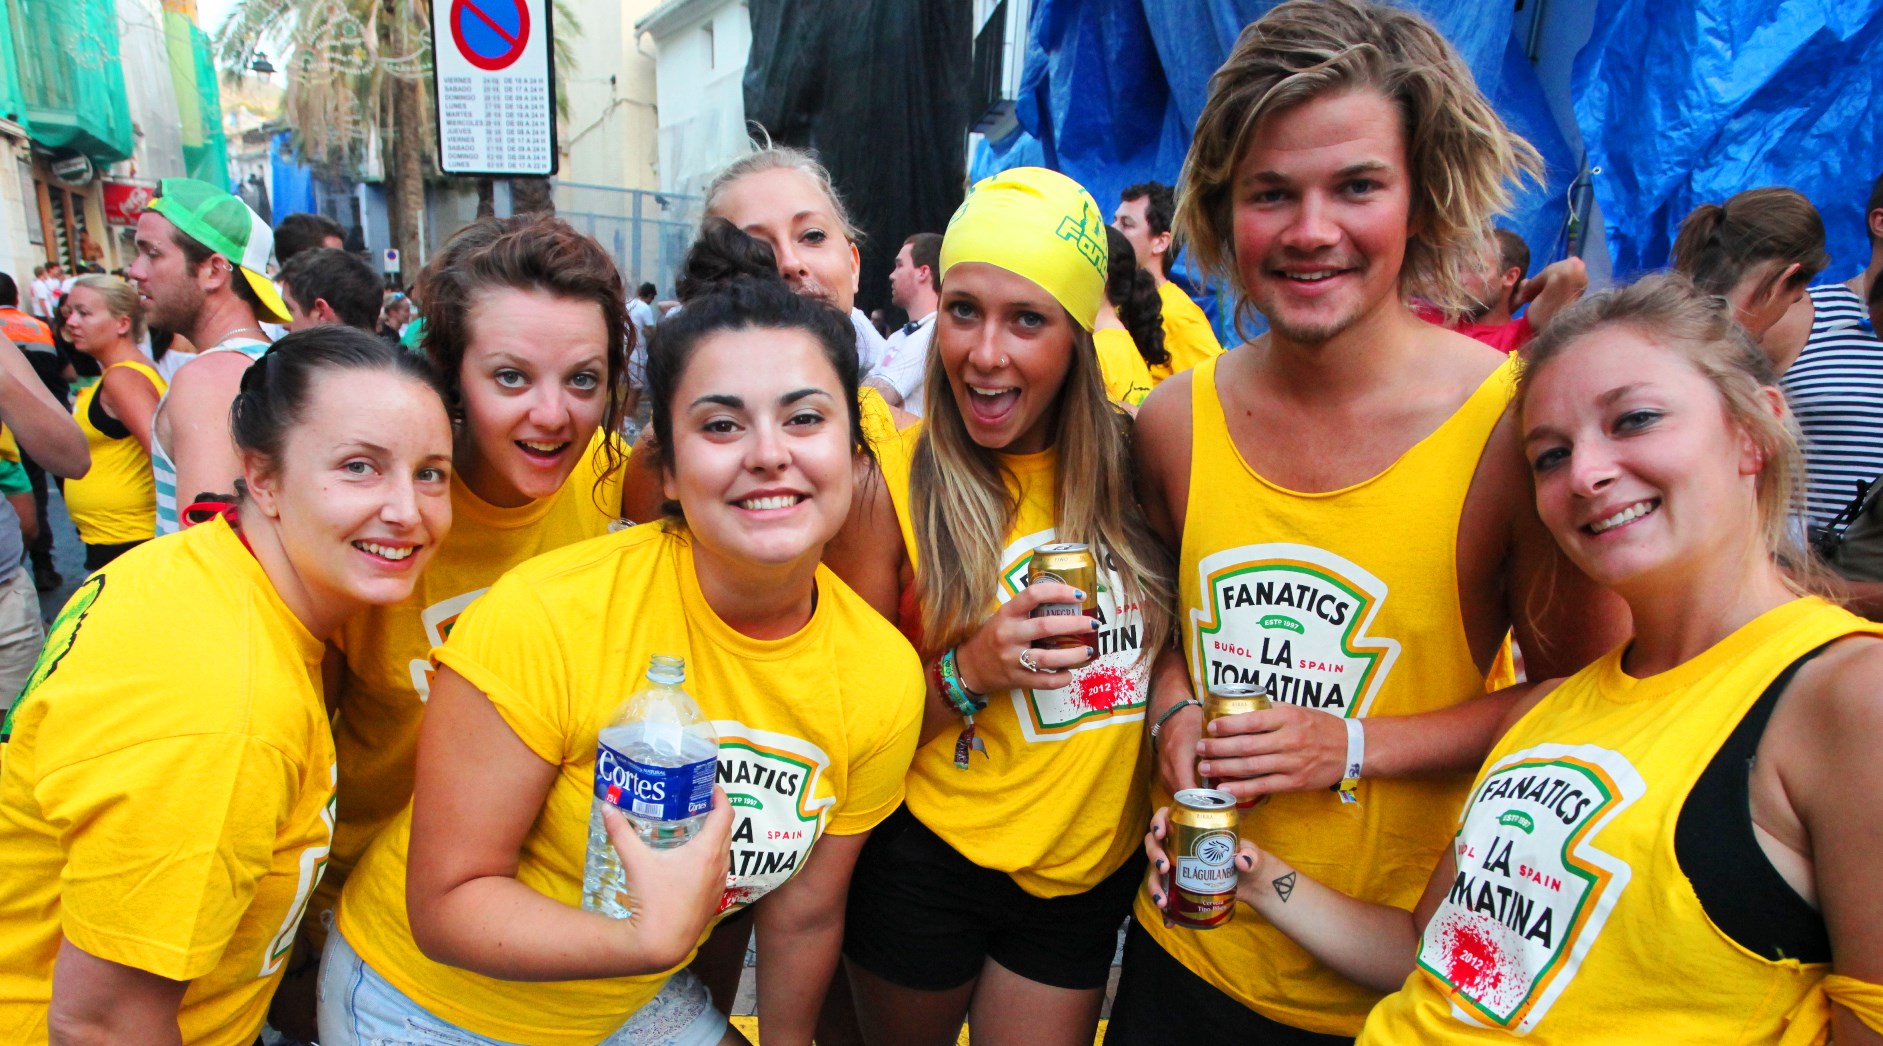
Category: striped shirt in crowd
<point>1836,392</point>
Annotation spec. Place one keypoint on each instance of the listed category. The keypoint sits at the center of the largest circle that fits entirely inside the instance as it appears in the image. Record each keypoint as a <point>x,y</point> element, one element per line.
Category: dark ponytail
<point>277,387</point>
<point>1133,294</point>
<point>1718,245</point>
<point>723,255</point>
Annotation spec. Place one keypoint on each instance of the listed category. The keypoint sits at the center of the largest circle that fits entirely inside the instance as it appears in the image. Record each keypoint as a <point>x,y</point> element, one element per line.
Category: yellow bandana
<point>1038,224</point>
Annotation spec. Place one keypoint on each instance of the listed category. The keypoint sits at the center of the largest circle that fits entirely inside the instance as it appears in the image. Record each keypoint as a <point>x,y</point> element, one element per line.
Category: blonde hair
<point>1462,158</point>
<point>120,300</point>
<point>963,511</point>
<point>768,157</point>
<point>1668,309</point>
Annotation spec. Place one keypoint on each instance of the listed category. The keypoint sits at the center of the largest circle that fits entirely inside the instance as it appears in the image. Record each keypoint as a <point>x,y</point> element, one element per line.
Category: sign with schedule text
<point>495,87</point>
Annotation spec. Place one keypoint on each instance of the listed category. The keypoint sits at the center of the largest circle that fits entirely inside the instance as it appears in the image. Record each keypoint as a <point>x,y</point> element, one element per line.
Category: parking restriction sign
<point>495,88</point>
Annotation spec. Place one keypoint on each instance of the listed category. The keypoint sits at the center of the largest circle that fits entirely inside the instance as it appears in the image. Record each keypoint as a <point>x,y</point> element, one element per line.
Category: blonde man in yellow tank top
<point>1347,507</point>
<point>1617,874</point>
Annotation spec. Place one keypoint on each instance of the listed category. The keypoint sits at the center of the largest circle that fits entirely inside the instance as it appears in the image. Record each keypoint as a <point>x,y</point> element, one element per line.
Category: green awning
<point>208,160</point>
<point>70,79</point>
<point>12,100</point>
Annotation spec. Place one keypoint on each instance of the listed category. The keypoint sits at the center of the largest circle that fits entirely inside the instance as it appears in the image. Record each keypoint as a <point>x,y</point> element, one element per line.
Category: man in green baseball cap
<point>202,261</point>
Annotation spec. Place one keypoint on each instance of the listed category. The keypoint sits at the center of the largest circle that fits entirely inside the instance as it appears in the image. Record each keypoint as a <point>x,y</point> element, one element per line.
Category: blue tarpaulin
<point>1112,89</point>
<point>1678,101</point>
<point>1684,102</point>
<point>293,181</point>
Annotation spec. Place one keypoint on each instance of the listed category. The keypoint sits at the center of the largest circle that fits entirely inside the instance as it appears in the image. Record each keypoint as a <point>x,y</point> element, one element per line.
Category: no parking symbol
<point>491,34</point>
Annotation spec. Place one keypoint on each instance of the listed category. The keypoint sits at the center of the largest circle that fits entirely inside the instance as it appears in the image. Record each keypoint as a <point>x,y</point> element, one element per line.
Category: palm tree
<point>358,77</point>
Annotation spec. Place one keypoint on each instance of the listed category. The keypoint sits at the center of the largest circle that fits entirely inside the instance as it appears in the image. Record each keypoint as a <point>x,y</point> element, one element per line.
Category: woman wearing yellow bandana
<point>996,891</point>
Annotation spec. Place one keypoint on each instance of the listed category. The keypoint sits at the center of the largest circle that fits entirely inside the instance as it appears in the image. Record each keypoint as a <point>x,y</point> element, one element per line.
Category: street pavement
<point>68,556</point>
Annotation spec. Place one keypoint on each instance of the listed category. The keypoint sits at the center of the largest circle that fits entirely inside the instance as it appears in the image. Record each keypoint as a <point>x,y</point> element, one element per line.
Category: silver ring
<point>1027,662</point>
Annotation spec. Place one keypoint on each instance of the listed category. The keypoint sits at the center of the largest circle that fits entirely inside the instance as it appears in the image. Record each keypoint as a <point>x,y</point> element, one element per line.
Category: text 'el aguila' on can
<point>1234,699</point>
<point>1066,564</point>
<point>1202,841</point>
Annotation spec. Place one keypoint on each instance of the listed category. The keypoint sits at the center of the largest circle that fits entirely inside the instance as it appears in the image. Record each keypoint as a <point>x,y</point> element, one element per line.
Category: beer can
<point>1234,699</point>
<point>1202,844</point>
<point>1068,563</point>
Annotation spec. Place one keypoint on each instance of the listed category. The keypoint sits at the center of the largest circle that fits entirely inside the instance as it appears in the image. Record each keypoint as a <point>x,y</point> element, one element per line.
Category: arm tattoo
<point>1284,886</point>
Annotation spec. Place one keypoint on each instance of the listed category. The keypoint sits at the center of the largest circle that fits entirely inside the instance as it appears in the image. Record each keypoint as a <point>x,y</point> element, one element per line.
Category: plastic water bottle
<point>654,761</point>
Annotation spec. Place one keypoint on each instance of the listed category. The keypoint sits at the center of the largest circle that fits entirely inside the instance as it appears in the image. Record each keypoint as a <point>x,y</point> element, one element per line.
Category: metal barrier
<point>647,232</point>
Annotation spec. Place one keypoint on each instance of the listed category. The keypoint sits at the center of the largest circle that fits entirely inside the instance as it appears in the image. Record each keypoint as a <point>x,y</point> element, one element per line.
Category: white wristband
<point>1356,755</point>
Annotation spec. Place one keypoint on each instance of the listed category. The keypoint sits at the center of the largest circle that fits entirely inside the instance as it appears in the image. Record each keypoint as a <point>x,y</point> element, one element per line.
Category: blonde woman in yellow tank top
<point>1618,874</point>
<point>114,505</point>
<point>996,893</point>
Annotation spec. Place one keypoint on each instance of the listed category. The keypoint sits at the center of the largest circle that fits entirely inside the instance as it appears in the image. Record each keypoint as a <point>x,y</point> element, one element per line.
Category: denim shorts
<point>358,1007</point>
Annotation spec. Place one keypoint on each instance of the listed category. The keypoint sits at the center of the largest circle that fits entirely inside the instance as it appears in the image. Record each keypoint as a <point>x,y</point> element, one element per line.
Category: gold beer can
<point>1067,563</point>
<point>1202,843</point>
<point>1234,699</point>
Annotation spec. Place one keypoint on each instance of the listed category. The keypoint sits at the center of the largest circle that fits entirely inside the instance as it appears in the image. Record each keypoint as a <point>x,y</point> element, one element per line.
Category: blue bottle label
<point>657,793</point>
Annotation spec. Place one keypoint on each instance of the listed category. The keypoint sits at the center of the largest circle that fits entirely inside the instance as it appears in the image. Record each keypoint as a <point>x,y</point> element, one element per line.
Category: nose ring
<point>1003,361</point>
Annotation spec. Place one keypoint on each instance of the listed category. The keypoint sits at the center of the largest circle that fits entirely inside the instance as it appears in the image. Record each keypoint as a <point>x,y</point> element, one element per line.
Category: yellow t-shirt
<point>1571,919</point>
<point>815,735</point>
<point>879,425</point>
<point>1059,798</point>
<point>388,649</point>
<point>166,794</point>
<point>116,500</point>
<point>1127,379</point>
<point>1188,336</point>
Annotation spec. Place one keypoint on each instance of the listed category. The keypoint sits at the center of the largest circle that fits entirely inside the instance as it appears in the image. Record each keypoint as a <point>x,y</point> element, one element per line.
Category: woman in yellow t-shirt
<point>997,892</point>
<point>166,777</point>
<point>1129,331</point>
<point>816,701</point>
<point>526,328</point>
<point>1677,843</point>
<point>783,199</point>
<point>114,505</point>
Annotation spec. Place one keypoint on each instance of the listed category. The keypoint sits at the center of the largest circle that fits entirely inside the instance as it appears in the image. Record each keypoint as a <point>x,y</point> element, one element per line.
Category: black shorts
<point>1160,1001</point>
<point>922,916</point>
<point>97,556</point>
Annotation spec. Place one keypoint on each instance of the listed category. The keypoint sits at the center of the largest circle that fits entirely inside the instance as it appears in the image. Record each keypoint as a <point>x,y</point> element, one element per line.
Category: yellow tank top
<point>1127,379</point>
<point>1058,800</point>
<point>388,648</point>
<point>1348,602</point>
<point>1570,920</point>
<point>116,500</point>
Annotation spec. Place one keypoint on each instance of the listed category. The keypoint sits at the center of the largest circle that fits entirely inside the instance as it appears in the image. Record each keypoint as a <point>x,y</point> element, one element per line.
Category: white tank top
<point>162,469</point>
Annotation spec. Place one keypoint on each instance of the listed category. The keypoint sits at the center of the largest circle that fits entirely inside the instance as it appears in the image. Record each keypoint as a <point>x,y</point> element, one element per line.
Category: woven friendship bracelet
<point>953,690</point>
